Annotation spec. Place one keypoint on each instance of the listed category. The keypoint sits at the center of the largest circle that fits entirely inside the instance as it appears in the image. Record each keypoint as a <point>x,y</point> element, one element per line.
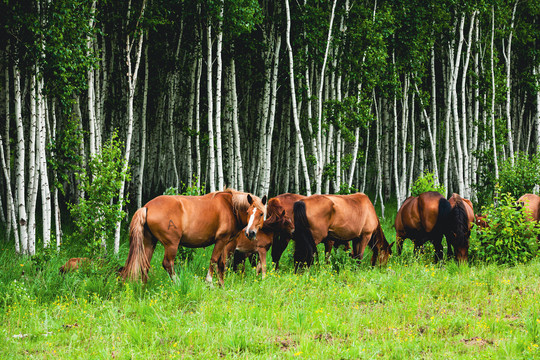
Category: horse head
<point>256,213</point>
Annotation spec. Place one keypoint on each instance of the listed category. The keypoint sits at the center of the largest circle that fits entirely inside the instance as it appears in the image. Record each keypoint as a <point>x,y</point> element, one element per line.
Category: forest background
<point>262,96</point>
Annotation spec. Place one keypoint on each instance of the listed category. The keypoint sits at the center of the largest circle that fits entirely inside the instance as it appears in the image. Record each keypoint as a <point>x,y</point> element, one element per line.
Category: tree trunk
<point>294,109</point>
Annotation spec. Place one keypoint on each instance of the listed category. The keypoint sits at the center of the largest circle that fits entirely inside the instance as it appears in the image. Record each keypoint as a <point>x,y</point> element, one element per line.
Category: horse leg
<point>278,247</point>
<point>359,246</point>
<point>214,261</point>
<point>328,245</point>
<point>437,244</point>
<point>168,260</point>
<point>261,266</point>
<point>399,244</point>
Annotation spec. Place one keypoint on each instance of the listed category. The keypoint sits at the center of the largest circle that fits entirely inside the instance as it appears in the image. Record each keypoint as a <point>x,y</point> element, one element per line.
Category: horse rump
<point>305,248</point>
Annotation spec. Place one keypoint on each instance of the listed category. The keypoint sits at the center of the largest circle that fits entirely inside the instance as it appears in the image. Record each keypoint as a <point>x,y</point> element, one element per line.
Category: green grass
<point>411,309</point>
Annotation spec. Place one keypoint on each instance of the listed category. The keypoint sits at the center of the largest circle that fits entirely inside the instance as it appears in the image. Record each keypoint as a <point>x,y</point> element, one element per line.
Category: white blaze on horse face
<point>251,219</point>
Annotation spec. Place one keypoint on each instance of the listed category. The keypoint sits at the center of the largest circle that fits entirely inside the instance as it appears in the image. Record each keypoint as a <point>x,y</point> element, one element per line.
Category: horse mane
<point>240,202</point>
<point>274,220</point>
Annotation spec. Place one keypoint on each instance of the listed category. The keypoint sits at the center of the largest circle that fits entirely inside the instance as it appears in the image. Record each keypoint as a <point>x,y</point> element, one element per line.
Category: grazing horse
<point>192,221</point>
<point>74,264</point>
<point>427,217</point>
<point>275,224</point>
<point>280,215</point>
<point>481,221</point>
<point>338,217</point>
<point>460,234</point>
<point>531,204</point>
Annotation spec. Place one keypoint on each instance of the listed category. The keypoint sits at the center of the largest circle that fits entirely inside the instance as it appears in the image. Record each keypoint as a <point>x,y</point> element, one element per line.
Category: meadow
<point>410,309</point>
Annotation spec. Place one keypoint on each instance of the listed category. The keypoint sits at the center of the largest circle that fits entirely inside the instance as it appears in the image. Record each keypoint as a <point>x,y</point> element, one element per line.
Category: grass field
<point>411,309</point>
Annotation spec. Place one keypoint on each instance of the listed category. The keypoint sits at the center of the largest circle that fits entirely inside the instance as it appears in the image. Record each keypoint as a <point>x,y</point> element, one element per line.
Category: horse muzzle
<point>251,234</point>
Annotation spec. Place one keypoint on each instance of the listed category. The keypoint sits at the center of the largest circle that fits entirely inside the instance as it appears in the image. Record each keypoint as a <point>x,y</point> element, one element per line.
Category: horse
<point>192,221</point>
<point>338,217</point>
<point>460,243</point>
<point>74,264</point>
<point>427,217</point>
<point>531,204</point>
<point>481,221</point>
<point>243,247</point>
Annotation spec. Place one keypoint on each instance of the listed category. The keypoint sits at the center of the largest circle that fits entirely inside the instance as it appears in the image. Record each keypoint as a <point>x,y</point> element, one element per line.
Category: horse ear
<point>249,199</point>
<point>392,244</point>
<point>264,200</point>
<point>283,213</point>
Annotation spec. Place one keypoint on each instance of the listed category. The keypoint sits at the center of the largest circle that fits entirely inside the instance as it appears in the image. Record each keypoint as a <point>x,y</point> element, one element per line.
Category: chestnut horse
<point>338,217</point>
<point>459,244</point>
<point>428,217</point>
<point>192,221</point>
<point>275,224</point>
<point>531,204</point>
<point>74,264</point>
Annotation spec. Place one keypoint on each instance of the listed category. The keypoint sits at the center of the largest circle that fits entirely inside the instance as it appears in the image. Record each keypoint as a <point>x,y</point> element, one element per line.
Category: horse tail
<point>459,222</point>
<point>137,263</point>
<point>443,220</point>
<point>305,247</point>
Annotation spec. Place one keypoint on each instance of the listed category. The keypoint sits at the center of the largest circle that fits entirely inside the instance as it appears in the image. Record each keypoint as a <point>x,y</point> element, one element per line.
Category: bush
<point>522,177</point>
<point>509,239</point>
<point>427,182</point>
<point>98,212</point>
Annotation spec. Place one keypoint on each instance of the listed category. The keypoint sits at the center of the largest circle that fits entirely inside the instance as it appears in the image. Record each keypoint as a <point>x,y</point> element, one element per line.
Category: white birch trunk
<point>493,92</point>
<point>22,219</point>
<point>46,207</point>
<point>11,206</point>
<point>508,63</point>
<point>211,151</point>
<point>91,90</point>
<point>132,82</point>
<point>143,128</point>
<point>300,142</point>
<point>271,116</point>
<point>236,131</point>
<point>219,72</point>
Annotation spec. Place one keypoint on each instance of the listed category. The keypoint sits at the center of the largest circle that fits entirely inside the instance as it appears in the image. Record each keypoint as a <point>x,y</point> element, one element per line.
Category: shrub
<point>427,182</point>
<point>509,239</point>
<point>522,177</point>
<point>98,212</point>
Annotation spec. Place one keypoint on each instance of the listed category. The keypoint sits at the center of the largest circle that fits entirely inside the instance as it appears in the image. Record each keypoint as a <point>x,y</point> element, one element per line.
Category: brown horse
<point>531,204</point>
<point>280,216</point>
<point>480,221</point>
<point>428,217</point>
<point>460,244</point>
<point>274,225</point>
<point>74,264</point>
<point>338,217</point>
<point>192,221</point>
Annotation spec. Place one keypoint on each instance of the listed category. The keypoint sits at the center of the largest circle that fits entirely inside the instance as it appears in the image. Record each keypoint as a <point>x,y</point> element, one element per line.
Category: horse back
<point>354,213</point>
<point>434,210</point>
<point>193,221</point>
<point>408,217</point>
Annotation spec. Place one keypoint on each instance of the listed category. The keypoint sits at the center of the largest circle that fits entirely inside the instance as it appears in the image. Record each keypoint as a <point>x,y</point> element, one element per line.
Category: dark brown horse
<point>280,215</point>
<point>192,221</point>
<point>459,236</point>
<point>428,217</point>
<point>338,217</point>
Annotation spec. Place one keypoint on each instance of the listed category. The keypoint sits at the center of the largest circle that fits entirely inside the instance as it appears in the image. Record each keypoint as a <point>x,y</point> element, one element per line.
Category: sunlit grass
<point>412,308</point>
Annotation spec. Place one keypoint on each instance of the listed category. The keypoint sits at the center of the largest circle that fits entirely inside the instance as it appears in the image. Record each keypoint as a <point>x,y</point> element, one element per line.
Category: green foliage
<point>427,182</point>
<point>97,214</point>
<point>520,178</point>
<point>65,152</point>
<point>510,238</point>
<point>345,189</point>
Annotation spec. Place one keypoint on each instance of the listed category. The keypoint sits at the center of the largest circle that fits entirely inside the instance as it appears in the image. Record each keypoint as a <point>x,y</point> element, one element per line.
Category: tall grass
<point>339,309</point>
